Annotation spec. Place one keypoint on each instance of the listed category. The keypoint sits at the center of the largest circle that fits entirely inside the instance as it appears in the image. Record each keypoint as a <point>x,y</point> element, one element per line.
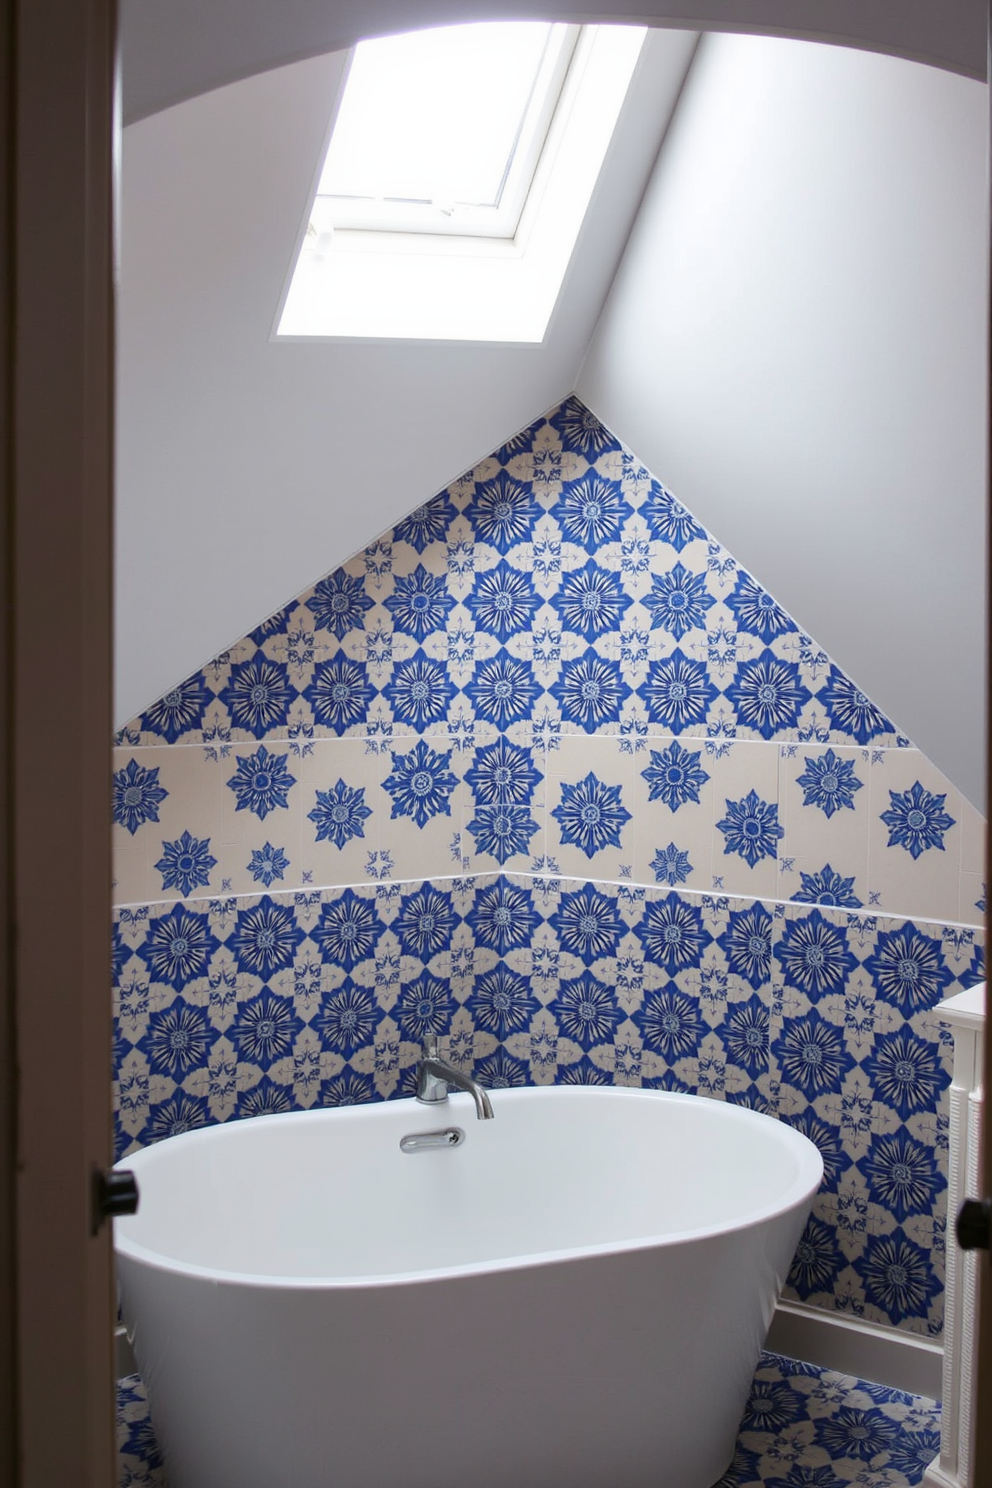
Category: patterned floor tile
<point>804,1427</point>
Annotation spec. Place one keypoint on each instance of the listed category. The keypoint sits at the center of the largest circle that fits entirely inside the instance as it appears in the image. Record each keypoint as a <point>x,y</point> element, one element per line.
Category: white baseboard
<point>886,1356</point>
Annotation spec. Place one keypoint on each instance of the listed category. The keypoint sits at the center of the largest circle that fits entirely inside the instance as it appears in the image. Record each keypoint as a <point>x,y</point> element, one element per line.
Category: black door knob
<point>974,1224</point>
<point>115,1194</point>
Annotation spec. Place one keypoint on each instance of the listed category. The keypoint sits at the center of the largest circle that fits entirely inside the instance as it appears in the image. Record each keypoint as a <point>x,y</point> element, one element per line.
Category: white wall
<point>248,468</point>
<point>795,343</point>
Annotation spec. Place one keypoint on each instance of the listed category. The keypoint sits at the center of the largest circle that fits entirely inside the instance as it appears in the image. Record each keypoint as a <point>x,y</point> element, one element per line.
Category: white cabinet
<point>965,1014</point>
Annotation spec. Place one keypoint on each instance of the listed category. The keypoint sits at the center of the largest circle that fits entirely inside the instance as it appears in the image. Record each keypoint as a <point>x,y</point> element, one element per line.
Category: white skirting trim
<point>871,1351</point>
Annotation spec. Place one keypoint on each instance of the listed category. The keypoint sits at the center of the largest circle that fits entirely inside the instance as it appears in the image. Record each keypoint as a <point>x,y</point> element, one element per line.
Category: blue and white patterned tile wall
<point>545,772</point>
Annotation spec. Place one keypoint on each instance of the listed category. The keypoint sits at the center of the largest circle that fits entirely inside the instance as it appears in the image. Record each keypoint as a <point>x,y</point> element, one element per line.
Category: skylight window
<point>457,175</point>
<point>440,131</point>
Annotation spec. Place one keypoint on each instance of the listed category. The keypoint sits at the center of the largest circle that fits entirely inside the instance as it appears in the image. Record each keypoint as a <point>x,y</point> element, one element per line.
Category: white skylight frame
<point>500,219</point>
<point>354,284</point>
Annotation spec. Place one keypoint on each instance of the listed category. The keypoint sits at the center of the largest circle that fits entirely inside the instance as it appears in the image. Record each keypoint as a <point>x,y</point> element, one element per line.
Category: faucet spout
<point>435,1074</point>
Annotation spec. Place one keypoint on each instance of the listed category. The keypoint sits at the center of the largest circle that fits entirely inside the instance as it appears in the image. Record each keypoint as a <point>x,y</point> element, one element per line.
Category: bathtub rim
<point>802,1189</point>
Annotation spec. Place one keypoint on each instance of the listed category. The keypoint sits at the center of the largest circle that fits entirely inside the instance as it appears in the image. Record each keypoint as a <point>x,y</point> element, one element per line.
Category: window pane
<point>434,115</point>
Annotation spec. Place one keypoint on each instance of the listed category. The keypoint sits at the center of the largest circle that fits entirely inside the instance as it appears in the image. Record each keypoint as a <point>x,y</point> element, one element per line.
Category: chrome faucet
<point>435,1074</point>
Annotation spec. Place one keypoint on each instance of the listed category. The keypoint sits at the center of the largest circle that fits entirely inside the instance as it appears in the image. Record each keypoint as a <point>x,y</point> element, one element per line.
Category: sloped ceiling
<point>247,467</point>
<point>175,49</point>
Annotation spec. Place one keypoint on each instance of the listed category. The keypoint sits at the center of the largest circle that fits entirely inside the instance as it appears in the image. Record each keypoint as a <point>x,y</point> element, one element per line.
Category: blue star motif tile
<point>672,933</point>
<point>768,695</point>
<point>591,600</point>
<point>267,864</point>
<point>906,1072</point>
<point>502,512</point>
<point>419,691</point>
<point>669,1023</point>
<point>678,601</point>
<point>265,1028</point>
<point>349,1088</point>
<point>916,820</point>
<point>265,938</point>
<point>421,783</point>
<point>503,601</point>
<point>829,782</point>
<point>348,1019</point>
<point>751,829</point>
<point>580,429</point>
<point>349,930</point>
<point>590,691</point>
<point>501,1071</point>
<point>503,774</point>
<point>812,1055</point>
<point>591,511</point>
<point>501,832</point>
<point>178,947</point>
<point>671,866</point>
<point>902,1174</point>
<point>503,917</point>
<point>745,1035</point>
<point>424,1007</point>
<point>898,1276</point>
<point>907,968</point>
<point>420,604</point>
<point>424,923</point>
<point>258,695</point>
<point>677,693</point>
<point>747,944</point>
<point>587,923</point>
<point>340,814</point>
<point>668,519</point>
<point>502,1002</point>
<point>817,1259</point>
<point>503,690</point>
<point>814,955</point>
<point>675,775</point>
<point>137,796</point>
<point>586,1011</point>
<point>178,1040</point>
<point>261,782</point>
<point>590,815</point>
<point>339,694</point>
<point>185,864</point>
<point>339,604</point>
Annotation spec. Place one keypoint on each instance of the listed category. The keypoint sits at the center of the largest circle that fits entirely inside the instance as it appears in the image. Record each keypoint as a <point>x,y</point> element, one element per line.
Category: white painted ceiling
<point>176,49</point>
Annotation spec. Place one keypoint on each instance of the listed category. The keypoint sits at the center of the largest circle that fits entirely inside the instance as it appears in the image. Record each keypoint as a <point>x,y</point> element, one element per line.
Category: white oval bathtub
<point>576,1295</point>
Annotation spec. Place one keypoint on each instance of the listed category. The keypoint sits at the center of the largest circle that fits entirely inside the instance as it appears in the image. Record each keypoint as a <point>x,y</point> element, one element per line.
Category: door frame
<point>57,59</point>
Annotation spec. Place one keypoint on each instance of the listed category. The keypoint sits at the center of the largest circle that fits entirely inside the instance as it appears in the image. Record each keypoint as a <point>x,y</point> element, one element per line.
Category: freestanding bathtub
<point>575,1295</point>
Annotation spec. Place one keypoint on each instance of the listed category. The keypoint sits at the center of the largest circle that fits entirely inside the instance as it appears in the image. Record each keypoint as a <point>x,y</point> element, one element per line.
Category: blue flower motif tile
<point>915,837</point>
<point>136,795</point>
<point>590,830</point>
<point>747,826</point>
<point>261,782</point>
